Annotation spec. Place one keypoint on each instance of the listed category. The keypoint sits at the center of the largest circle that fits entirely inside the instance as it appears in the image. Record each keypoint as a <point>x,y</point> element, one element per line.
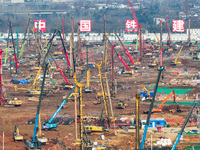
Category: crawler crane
<point>109,119</point>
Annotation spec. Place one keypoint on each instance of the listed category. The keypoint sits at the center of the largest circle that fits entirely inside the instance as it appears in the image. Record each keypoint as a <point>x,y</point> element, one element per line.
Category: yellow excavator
<point>148,96</point>
<point>16,135</point>
<point>121,105</point>
<point>177,59</point>
<point>153,63</point>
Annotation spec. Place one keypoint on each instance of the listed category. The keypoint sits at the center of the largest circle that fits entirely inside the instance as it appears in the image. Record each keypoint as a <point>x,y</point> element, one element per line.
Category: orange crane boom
<point>160,107</point>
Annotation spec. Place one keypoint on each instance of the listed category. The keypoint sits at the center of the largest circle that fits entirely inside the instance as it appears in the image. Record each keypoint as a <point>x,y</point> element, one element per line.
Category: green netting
<point>97,50</point>
<point>180,103</point>
<point>127,42</point>
<point>191,133</point>
<point>165,90</point>
<point>195,147</point>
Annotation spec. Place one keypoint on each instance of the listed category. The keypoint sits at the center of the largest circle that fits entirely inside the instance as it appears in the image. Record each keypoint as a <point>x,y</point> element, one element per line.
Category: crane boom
<point>150,109</point>
<point>117,53</point>
<point>128,54</point>
<point>151,27</point>
<point>103,91</point>
<point>177,59</point>
<point>49,125</point>
<point>34,143</point>
<point>168,41</point>
<point>161,105</point>
<point>183,127</point>
<point>133,13</point>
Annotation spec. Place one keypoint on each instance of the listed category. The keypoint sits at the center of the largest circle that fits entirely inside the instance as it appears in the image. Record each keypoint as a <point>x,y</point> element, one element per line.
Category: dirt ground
<point>64,136</point>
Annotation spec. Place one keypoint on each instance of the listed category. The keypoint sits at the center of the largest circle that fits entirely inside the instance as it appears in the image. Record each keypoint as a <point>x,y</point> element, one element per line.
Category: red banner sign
<point>85,25</point>
<point>41,24</point>
<point>178,25</point>
<point>131,26</point>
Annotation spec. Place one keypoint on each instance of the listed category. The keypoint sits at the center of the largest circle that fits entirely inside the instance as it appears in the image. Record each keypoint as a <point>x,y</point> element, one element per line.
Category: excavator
<point>148,94</point>
<point>121,105</point>
<point>153,63</point>
<point>177,59</point>
<point>160,107</point>
<point>16,135</point>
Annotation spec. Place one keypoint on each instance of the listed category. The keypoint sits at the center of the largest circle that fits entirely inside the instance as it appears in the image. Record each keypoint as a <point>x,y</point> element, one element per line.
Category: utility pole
<point>137,117</point>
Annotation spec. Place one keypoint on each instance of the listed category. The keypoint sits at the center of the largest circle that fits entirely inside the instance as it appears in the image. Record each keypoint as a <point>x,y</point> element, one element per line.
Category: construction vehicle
<point>91,128</point>
<point>88,88</point>
<point>169,40</point>
<point>16,135</point>
<point>113,48</point>
<point>153,63</point>
<point>160,107</point>
<point>121,105</point>
<point>5,101</point>
<point>14,102</point>
<point>177,59</point>
<point>151,27</point>
<point>109,119</point>
<point>117,123</point>
<point>49,125</point>
<point>128,54</point>
<point>13,45</point>
<point>96,147</point>
<point>36,143</point>
<point>183,127</point>
<point>147,95</point>
<point>150,109</point>
<point>23,43</point>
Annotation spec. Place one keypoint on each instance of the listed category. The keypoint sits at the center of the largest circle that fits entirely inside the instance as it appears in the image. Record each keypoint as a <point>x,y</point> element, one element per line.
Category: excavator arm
<point>161,105</point>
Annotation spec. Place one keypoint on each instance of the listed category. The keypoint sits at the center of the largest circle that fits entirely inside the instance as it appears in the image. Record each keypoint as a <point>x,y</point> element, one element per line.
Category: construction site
<point>58,93</point>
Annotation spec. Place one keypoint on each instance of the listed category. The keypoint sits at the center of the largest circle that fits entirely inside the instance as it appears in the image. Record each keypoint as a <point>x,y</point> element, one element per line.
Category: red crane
<point>168,41</point>
<point>1,77</point>
<point>133,12</point>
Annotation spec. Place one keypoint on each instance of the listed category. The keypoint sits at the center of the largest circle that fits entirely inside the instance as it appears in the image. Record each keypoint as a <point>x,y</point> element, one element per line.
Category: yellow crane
<point>88,89</point>
<point>177,59</point>
<point>110,119</point>
<point>39,136</point>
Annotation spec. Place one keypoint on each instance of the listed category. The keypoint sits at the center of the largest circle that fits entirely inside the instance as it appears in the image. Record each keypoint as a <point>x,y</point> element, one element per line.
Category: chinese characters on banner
<point>178,25</point>
<point>41,26</point>
<point>85,25</point>
<point>131,26</point>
